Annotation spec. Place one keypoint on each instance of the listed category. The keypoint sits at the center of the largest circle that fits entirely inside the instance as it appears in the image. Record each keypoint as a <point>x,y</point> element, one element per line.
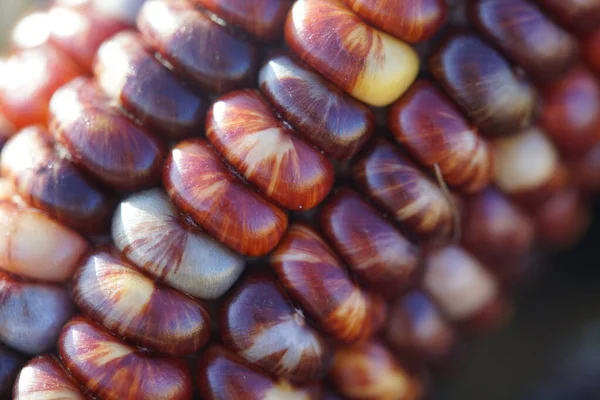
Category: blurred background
<point>551,349</point>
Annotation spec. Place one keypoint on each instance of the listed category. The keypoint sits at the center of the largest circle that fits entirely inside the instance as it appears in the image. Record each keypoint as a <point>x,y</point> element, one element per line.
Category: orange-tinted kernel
<point>369,64</point>
<point>404,191</point>
<point>526,35</point>
<point>113,292</point>
<point>336,123</point>
<point>45,378</point>
<point>28,80</point>
<point>223,375</point>
<point>111,369</point>
<point>53,184</point>
<point>247,133</point>
<point>373,248</point>
<point>259,322</point>
<point>37,247</point>
<point>428,125</point>
<point>482,82</point>
<point>198,47</point>
<point>571,111</point>
<point>201,184</point>
<point>262,19</point>
<point>410,20</point>
<point>313,274</point>
<point>32,314</point>
<point>368,371</point>
<point>156,97</point>
<point>102,140</point>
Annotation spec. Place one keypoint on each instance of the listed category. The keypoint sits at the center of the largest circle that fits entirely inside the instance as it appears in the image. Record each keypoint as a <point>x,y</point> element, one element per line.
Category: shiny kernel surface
<point>200,183</point>
<point>373,248</point>
<point>526,35</point>
<point>112,370</point>
<point>404,191</point>
<point>223,375</point>
<point>247,133</point>
<point>102,140</point>
<point>333,121</point>
<point>484,85</point>
<point>50,182</point>
<point>426,123</point>
<point>314,275</point>
<point>32,314</point>
<point>371,65</point>
<point>150,231</point>
<point>197,47</point>
<point>259,323</point>
<point>152,93</point>
<point>409,20</point>
<point>262,19</point>
<point>128,303</point>
<point>45,378</point>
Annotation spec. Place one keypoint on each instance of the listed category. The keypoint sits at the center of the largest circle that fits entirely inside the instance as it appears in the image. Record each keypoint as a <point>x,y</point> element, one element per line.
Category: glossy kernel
<point>416,328</point>
<point>45,378</point>
<point>223,375</point>
<point>371,65</point>
<point>333,121</point>
<point>102,140</point>
<point>156,97</point>
<point>368,371</point>
<point>28,80</point>
<point>259,322</point>
<point>201,184</point>
<point>128,303</point>
<point>113,370</point>
<point>52,183</point>
<point>428,125</point>
<point>262,19</point>
<point>373,248</point>
<point>410,20</point>
<point>10,363</point>
<point>32,314</point>
<point>395,183</point>
<point>313,274</point>
<point>247,133</point>
<point>483,84</point>
<point>571,111</point>
<point>37,247</point>
<point>149,230</point>
<point>585,169</point>
<point>198,47</point>
<point>578,16</point>
<point>526,35</point>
